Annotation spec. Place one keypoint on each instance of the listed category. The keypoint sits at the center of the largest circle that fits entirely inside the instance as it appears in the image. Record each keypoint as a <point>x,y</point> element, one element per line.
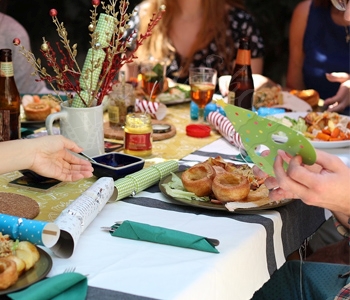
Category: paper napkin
<point>60,287</point>
<point>134,183</point>
<point>160,235</point>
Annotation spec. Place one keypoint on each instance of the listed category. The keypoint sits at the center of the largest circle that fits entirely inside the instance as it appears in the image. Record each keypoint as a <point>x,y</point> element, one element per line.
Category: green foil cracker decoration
<point>77,102</point>
<point>92,69</point>
<point>104,30</point>
<point>143,179</point>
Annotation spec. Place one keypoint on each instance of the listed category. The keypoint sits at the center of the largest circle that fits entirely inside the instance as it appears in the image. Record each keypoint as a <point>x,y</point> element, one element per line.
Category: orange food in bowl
<point>37,111</point>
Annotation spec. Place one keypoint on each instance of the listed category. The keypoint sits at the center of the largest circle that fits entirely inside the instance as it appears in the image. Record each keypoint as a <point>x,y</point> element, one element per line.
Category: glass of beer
<point>202,81</point>
<point>153,75</point>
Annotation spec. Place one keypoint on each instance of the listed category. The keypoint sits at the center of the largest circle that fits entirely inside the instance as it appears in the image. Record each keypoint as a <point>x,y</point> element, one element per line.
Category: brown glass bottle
<point>10,126</point>
<point>241,88</point>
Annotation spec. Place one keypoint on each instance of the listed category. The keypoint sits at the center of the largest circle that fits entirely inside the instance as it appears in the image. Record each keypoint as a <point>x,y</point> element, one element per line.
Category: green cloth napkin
<point>144,232</point>
<point>60,287</point>
<point>143,179</point>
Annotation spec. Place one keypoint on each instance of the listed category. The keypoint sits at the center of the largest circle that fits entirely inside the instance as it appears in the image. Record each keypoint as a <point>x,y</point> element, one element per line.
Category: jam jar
<point>138,134</point>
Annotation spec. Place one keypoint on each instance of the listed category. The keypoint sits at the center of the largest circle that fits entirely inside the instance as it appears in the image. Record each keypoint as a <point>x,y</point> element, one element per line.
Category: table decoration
<point>256,131</point>
<point>155,234</point>
<point>35,231</point>
<point>66,285</point>
<point>134,183</point>
<point>223,125</point>
<point>80,213</point>
<point>155,109</point>
<point>87,87</point>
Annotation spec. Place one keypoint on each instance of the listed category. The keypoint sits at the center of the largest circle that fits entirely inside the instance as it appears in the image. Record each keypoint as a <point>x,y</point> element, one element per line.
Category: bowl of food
<point>116,165</point>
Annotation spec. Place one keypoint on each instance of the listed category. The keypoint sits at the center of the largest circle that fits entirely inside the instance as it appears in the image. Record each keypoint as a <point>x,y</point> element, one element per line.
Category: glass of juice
<point>153,75</point>
<point>202,81</point>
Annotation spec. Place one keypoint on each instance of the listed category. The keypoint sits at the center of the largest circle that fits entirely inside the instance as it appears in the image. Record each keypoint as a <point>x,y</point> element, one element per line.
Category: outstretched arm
<point>49,156</point>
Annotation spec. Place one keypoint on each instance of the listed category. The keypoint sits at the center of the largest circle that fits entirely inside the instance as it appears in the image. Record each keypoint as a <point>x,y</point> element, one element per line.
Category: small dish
<point>116,165</point>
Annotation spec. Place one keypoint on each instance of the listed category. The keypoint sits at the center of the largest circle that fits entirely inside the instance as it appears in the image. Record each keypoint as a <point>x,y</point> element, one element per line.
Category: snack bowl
<point>116,165</point>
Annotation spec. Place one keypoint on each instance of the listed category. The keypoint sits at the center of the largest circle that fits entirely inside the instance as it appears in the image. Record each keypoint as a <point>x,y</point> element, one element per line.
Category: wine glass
<point>153,76</point>
<point>202,81</point>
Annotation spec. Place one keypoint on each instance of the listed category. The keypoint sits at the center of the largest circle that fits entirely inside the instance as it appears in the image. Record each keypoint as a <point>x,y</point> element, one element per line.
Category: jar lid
<point>161,128</point>
<point>198,130</point>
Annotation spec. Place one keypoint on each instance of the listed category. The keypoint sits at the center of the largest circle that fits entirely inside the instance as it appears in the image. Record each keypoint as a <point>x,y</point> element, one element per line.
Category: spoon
<point>88,157</point>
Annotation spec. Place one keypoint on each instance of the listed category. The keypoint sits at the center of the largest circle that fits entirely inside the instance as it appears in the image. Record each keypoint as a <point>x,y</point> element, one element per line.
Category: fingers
<point>337,77</point>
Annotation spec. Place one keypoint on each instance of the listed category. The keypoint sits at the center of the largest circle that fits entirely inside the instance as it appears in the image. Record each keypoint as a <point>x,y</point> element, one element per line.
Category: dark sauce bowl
<point>116,165</point>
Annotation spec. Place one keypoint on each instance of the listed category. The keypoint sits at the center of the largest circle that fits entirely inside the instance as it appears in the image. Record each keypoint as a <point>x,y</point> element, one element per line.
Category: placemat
<point>18,205</point>
<point>118,133</point>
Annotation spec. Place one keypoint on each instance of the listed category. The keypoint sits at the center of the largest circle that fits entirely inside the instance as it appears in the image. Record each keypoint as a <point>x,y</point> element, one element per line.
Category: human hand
<point>51,157</point>
<point>324,184</point>
<point>341,99</point>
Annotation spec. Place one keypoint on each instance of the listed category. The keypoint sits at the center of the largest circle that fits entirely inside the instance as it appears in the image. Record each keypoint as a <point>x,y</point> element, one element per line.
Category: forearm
<point>16,155</point>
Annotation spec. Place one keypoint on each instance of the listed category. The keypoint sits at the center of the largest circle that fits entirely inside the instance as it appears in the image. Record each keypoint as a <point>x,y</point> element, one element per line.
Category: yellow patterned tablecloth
<point>53,202</point>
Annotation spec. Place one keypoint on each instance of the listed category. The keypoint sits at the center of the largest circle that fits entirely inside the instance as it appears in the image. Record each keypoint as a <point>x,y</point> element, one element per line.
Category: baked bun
<point>230,187</point>
<point>28,253</point>
<point>310,96</point>
<point>21,266</point>
<point>8,273</point>
<point>37,111</point>
<point>198,179</point>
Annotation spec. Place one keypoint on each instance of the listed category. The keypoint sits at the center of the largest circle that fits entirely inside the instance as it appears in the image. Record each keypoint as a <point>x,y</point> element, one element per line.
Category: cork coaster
<point>118,133</point>
<point>18,205</point>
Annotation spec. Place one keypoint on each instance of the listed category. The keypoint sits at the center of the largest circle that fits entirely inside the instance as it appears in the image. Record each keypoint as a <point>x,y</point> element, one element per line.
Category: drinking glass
<point>202,81</point>
<point>153,76</point>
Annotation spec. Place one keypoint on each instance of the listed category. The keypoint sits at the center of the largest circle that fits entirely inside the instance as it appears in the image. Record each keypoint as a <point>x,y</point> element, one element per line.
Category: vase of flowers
<point>86,87</point>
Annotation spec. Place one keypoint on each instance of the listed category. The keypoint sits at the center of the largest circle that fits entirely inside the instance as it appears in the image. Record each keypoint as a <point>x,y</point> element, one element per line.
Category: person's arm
<point>49,156</point>
<point>296,55</point>
<point>325,184</point>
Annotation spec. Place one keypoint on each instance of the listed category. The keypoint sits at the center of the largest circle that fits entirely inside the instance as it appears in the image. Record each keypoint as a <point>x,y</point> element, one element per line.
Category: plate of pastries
<point>21,264</point>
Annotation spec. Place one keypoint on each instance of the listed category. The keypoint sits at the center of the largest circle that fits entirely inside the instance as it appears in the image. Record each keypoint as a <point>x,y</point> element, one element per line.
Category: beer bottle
<point>241,88</point>
<point>10,126</point>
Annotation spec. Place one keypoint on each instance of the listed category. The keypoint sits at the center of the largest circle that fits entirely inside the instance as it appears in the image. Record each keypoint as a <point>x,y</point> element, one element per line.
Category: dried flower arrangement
<point>109,51</point>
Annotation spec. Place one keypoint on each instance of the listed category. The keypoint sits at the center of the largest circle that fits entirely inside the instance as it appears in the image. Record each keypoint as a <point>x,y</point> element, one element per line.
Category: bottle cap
<point>198,130</point>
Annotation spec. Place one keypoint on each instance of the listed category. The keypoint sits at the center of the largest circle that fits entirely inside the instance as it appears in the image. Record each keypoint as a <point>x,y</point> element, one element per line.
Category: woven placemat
<point>118,133</point>
<point>18,205</point>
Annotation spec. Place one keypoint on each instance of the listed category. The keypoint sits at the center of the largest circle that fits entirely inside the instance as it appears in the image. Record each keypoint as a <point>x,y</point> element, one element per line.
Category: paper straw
<point>92,69</point>
<point>134,183</point>
<point>104,29</point>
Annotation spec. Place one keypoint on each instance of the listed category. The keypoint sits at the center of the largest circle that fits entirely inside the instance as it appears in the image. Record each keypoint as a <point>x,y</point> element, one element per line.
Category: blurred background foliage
<point>272,17</point>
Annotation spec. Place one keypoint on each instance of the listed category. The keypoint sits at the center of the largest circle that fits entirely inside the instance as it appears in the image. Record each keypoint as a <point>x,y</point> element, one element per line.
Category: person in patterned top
<point>197,33</point>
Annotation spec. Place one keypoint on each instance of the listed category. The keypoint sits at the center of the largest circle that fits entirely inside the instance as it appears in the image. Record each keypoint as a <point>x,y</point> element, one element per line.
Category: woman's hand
<point>341,99</point>
<point>51,156</point>
<point>325,184</point>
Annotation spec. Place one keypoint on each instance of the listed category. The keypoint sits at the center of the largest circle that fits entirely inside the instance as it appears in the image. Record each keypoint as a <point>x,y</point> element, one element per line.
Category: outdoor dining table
<point>253,244</point>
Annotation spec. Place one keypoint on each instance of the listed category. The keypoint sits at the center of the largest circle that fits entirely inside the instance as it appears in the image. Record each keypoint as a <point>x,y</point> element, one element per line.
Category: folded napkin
<point>134,183</point>
<point>224,126</point>
<point>60,287</point>
<point>160,235</point>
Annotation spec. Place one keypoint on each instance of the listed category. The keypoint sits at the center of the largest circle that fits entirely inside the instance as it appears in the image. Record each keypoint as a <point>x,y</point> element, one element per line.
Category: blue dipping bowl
<point>116,165</point>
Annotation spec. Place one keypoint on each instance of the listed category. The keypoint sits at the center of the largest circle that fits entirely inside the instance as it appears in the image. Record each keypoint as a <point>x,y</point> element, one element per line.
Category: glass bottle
<point>241,88</point>
<point>138,134</point>
<point>9,99</point>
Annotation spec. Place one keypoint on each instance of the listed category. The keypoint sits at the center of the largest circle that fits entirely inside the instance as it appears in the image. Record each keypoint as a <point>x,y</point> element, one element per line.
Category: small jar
<point>121,102</point>
<point>138,134</point>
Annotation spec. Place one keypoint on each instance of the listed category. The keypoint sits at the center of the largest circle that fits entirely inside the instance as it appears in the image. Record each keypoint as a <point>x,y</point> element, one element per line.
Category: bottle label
<point>231,97</point>
<point>6,69</point>
<point>5,127</point>
<point>138,142</point>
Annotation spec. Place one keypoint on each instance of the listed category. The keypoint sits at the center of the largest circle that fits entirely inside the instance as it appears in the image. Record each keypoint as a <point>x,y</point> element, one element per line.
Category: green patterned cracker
<point>104,30</point>
<point>141,180</point>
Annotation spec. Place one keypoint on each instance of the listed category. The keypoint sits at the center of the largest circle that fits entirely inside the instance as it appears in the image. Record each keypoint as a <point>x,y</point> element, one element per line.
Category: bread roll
<point>310,96</point>
<point>8,273</point>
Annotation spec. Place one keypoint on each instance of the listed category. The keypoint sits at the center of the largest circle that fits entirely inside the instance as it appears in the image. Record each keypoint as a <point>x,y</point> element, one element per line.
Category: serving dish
<point>317,144</point>
<point>35,274</point>
<point>213,206</point>
<point>177,94</point>
<point>116,165</point>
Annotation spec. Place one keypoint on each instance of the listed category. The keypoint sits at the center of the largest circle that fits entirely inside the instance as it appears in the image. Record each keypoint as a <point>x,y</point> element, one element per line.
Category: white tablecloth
<point>252,246</point>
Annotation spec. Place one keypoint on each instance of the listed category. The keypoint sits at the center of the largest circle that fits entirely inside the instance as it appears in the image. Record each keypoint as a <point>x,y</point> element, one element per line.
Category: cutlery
<point>111,229</point>
<point>88,157</point>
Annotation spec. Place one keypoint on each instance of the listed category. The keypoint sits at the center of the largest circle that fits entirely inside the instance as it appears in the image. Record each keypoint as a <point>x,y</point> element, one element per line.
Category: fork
<point>69,270</point>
